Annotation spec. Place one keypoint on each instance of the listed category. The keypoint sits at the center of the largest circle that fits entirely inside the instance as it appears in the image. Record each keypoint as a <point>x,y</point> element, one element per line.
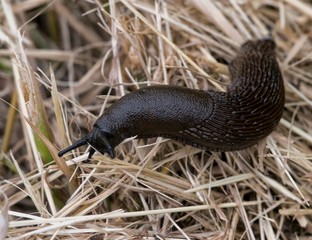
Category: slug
<point>217,121</point>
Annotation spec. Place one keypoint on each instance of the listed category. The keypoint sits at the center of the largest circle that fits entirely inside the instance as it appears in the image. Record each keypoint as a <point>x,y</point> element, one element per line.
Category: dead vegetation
<point>63,62</point>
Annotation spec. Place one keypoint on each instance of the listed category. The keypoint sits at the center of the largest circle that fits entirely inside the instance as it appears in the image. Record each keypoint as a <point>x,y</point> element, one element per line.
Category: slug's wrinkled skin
<point>218,121</point>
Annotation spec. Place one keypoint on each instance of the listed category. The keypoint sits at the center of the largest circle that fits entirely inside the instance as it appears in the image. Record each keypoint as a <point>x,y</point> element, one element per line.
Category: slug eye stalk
<point>79,143</point>
<point>98,142</point>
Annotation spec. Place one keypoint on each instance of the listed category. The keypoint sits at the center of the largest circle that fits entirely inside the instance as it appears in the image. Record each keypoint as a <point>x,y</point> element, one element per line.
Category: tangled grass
<point>63,62</point>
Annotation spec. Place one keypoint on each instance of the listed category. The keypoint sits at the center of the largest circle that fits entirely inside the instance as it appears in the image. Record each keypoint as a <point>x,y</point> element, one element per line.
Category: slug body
<point>217,121</point>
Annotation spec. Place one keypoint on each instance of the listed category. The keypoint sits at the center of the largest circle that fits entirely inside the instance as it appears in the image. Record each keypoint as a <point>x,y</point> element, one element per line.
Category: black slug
<point>217,121</point>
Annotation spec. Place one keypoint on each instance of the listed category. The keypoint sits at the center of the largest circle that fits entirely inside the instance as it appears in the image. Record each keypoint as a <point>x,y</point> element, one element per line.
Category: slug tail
<point>80,142</point>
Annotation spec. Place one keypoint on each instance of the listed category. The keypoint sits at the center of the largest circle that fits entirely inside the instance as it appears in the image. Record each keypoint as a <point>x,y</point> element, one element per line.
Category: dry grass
<point>63,62</point>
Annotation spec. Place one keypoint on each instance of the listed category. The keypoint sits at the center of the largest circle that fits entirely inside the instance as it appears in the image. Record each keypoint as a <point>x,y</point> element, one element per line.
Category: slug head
<point>98,140</point>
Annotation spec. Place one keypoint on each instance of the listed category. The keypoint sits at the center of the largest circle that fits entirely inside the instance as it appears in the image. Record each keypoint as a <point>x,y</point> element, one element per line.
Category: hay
<point>64,62</point>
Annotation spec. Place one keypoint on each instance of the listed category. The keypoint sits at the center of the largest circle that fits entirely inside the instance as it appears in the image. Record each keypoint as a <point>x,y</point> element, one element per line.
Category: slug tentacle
<point>97,139</point>
<point>79,143</point>
<point>218,121</point>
